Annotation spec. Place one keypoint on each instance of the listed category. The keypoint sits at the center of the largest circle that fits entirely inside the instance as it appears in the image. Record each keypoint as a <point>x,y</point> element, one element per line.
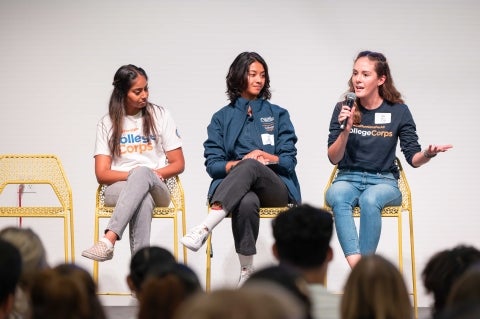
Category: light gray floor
<point>124,312</point>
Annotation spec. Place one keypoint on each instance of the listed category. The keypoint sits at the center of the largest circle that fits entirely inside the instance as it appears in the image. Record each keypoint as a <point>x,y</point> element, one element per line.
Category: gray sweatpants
<point>134,201</point>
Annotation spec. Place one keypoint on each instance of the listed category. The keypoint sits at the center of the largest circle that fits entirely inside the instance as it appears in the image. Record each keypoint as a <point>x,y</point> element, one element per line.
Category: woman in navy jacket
<point>251,157</point>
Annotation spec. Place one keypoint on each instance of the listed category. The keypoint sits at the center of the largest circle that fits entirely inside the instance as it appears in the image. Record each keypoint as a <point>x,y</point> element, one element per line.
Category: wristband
<point>427,155</point>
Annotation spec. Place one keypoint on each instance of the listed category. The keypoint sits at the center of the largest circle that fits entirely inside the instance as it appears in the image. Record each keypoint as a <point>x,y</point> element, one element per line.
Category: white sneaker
<point>195,238</point>
<point>245,273</point>
<point>98,252</point>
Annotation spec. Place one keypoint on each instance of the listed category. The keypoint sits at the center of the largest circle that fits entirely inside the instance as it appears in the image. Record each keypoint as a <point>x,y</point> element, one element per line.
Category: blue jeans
<point>134,201</point>
<point>371,192</point>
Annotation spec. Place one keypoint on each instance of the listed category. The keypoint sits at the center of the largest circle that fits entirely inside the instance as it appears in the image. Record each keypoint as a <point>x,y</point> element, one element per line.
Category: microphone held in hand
<point>349,100</point>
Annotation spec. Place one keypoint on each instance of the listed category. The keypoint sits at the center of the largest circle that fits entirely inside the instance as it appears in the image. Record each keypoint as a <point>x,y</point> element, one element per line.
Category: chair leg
<point>95,239</point>
<point>414,273</point>
<point>175,237</point>
<point>65,238</point>
<point>208,270</point>
<point>72,238</point>
<point>400,240</point>
<point>184,232</point>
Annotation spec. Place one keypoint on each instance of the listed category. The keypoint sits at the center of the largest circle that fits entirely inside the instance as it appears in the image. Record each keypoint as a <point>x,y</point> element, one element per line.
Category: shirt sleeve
<point>167,129</point>
<point>103,134</point>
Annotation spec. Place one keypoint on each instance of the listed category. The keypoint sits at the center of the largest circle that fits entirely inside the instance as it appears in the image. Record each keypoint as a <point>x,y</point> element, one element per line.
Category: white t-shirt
<point>137,149</point>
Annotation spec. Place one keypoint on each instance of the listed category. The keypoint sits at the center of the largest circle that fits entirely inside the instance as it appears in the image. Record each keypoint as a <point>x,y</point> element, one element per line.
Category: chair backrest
<point>402,185</point>
<point>36,169</point>
<point>176,192</point>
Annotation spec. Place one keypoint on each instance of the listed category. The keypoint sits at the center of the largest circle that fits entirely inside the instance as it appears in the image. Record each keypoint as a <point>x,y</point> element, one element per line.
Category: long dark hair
<point>122,82</point>
<point>237,77</point>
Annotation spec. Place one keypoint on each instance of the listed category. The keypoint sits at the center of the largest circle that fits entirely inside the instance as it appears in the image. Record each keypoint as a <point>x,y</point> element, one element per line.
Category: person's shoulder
<point>105,119</point>
<point>396,105</point>
<point>224,109</point>
<point>159,108</point>
<point>274,107</point>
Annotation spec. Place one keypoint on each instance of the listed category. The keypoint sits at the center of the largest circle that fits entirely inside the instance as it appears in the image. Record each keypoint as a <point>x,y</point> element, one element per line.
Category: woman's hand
<point>256,154</point>
<point>435,149</point>
<point>261,156</point>
<point>346,113</point>
<point>424,156</point>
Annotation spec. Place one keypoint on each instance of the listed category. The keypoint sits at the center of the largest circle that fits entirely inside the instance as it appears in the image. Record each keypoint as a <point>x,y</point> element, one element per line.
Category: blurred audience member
<point>164,290</point>
<point>34,258</point>
<point>463,301</point>
<point>144,261</point>
<point>257,301</point>
<point>302,240</point>
<point>66,291</point>
<point>10,270</point>
<point>375,289</point>
<point>443,269</point>
<point>288,278</point>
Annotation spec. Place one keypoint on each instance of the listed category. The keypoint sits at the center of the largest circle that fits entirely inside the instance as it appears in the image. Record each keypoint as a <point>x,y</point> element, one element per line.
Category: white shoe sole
<point>95,257</point>
<point>189,246</point>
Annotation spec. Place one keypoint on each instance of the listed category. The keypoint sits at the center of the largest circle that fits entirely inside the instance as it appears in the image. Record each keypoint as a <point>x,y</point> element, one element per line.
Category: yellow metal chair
<point>40,169</point>
<point>177,205</point>
<point>395,211</point>
<point>265,212</point>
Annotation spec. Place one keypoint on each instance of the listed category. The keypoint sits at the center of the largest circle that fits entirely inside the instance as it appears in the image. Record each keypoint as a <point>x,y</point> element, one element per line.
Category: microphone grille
<point>351,96</point>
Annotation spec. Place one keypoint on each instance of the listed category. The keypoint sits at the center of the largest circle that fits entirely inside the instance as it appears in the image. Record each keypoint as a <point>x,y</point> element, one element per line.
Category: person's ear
<point>329,254</point>
<point>130,283</point>
<point>7,306</point>
<point>275,251</point>
<point>381,80</point>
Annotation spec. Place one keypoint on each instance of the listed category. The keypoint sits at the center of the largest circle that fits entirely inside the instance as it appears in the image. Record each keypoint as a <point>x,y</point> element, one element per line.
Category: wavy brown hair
<point>387,90</point>
<point>122,82</point>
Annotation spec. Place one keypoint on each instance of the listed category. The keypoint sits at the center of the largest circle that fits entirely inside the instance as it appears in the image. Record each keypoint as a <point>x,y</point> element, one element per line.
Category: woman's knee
<point>248,164</point>
<point>380,196</point>
<point>141,171</point>
<point>341,192</point>
<point>249,204</point>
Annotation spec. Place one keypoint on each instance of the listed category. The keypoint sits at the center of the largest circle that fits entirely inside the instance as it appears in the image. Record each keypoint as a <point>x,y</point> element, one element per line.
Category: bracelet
<point>427,155</point>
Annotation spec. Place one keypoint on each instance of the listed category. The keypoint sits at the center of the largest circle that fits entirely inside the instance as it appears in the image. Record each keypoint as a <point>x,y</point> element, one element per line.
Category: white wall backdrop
<point>57,60</point>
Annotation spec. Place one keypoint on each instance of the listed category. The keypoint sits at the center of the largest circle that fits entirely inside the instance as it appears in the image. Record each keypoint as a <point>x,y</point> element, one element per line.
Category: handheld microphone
<point>350,98</point>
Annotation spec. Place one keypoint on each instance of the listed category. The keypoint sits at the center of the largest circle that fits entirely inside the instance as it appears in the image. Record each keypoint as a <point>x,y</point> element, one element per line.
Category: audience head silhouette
<point>443,269</point>
<point>375,289</point>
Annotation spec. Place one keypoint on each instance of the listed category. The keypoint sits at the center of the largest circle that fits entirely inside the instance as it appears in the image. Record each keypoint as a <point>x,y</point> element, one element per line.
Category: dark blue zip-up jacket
<point>269,119</point>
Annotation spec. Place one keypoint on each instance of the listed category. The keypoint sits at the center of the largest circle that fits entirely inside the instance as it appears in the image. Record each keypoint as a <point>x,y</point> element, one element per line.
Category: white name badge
<point>383,118</point>
<point>268,139</point>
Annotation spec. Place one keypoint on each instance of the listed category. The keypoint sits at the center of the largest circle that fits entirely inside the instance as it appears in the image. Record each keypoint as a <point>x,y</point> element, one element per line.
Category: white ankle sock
<point>214,217</point>
<point>245,261</point>
<point>107,242</point>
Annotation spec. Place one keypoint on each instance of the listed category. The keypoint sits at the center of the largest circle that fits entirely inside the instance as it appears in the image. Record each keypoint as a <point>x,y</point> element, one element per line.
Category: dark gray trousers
<point>247,187</point>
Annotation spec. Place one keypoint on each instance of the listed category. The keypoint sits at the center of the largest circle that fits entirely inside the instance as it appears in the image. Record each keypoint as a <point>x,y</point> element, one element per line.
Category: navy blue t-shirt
<point>372,144</point>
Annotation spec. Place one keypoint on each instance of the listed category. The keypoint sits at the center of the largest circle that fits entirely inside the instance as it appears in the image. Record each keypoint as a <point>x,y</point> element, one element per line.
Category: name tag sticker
<point>268,139</point>
<point>383,118</point>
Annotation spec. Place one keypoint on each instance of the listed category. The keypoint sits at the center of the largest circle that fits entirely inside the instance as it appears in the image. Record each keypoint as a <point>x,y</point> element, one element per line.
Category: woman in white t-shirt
<point>137,147</point>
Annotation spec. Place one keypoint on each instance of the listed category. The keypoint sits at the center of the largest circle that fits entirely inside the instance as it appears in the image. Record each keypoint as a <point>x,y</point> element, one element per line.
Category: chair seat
<point>34,211</point>
<point>158,212</point>
<point>389,211</point>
